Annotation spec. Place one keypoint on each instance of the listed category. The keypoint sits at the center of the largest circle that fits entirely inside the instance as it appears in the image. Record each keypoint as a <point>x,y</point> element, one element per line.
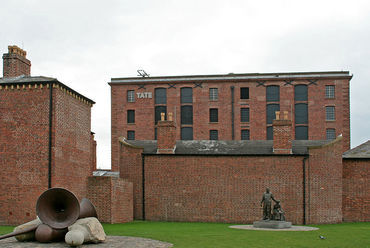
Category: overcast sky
<point>85,43</point>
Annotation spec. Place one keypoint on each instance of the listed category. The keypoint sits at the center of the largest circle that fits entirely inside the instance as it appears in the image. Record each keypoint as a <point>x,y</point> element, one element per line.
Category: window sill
<point>212,122</point>
<point>131,124</point>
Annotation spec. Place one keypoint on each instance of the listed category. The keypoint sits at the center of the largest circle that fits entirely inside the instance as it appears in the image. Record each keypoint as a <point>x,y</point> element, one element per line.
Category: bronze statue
<point>277,212</point>
<point>266,201</point>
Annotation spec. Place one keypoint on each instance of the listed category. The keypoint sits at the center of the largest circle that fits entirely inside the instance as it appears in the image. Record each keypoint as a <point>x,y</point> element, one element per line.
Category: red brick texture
<point>144,109</point>
<point>72,160</point>
<point>24,146</point>
<point>166,137</point>
<point>112,198</point>
<point>282,130</point>
<point>131,170</point>
<point>15,63</point>
<point>356,190</point>
<point>324,183</point>
<point>24,120</point>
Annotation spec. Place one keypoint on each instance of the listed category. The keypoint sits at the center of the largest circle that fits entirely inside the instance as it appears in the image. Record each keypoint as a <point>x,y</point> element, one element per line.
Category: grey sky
<point>85,43</point>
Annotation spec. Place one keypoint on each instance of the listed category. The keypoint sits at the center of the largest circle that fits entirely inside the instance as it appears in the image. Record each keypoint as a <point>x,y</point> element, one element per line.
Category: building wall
<point>324,184</point>
<point>144,110</point>
<point>24,147</point>
<point>72,143</point>
<point>356,190</point>
<point>24,135</point>
<point>112,198</point>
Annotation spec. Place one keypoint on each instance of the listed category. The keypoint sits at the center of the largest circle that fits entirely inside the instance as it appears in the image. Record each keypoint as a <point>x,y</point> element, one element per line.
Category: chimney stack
<point>15,63</point>
<point>282,131</point>
<point>166,135</point>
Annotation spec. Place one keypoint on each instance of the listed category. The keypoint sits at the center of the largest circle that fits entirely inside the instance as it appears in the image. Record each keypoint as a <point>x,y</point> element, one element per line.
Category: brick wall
<point>112,198</point>
<point>356,190</point>
<point>144,110</point>
<point>220,189</point>
<point>24,129</point>
<point>131,170</point>
<point>324,183</point>
<point>72,143</point>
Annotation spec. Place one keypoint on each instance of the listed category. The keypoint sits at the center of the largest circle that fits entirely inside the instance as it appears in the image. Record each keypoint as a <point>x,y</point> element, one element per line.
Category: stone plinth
<point>273,224</point>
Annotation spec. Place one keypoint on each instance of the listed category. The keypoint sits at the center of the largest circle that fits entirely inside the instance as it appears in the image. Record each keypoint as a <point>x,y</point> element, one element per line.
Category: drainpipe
<point>304,188</point>
<point>50,132</point>
<point>143,184</point>
<point>232,113</point>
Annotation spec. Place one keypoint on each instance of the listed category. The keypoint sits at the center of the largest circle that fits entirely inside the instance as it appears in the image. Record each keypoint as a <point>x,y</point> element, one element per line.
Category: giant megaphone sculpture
<point>57,209</point>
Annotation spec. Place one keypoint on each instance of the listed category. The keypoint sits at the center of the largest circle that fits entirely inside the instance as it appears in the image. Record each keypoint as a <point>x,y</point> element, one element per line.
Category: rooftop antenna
<point>142,73</point>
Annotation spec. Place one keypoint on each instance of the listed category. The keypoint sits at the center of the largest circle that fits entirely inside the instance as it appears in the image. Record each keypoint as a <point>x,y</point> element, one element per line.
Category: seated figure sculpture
<point>277,212</point>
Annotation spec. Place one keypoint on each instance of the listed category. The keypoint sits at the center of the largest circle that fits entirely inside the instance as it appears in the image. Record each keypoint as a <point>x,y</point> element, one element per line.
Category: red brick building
<point>46,139</point>
<point>232,106</point>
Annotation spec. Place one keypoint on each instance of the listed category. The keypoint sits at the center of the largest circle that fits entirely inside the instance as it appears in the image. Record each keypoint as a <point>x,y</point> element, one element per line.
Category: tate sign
<point>144,94</point>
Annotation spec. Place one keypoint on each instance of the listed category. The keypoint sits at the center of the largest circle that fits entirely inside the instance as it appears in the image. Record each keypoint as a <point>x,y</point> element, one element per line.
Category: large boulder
<point>86,230</point>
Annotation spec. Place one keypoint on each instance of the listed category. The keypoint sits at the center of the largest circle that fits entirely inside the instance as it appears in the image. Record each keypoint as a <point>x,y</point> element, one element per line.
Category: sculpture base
<point>273,224</point>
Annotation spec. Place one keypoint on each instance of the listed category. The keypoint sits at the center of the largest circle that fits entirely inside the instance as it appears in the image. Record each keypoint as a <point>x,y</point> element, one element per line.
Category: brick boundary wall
<point>112,198</point>
<point>356,190</point>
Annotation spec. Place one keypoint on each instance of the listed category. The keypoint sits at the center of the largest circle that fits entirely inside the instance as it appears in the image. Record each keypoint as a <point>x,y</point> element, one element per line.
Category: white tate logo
<point>144,95</point>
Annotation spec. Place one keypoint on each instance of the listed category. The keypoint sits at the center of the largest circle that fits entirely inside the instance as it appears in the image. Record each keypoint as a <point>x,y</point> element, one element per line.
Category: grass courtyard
<point>214,235</point>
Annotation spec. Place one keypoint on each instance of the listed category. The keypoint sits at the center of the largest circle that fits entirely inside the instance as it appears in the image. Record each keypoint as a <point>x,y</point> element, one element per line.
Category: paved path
<point>111,241</point>
<point>293,228</point>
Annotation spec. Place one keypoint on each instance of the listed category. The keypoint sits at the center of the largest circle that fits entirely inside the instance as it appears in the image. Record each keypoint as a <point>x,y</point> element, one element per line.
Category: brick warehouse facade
<point>232,106</point>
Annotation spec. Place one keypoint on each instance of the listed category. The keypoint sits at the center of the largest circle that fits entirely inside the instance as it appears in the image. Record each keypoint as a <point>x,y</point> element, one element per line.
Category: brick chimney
<point>166,135</point>
<point>15,63</point>
<point>282,131</point>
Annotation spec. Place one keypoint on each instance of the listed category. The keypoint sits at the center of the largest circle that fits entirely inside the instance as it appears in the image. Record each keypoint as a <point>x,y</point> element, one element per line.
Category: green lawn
<point>219,235</point>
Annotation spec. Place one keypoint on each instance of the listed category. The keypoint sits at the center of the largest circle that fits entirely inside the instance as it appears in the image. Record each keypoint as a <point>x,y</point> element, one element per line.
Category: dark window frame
<point>213,115</point>
<point>299,116</point>
<point>331,134</point>
<point>244,93</point>
<point>186,95</point>
<point>160,98</point>
<point>271,116</point>
<point>187,115</point>
<point>183,133</point>
<point>244,115</point>
<point>273,93</point>
<point>245,134</point>
<point>301,92</point>
<point>213,134</point>
<point>330,113</point>
<point>130,116</point>
<point>299,133</point>
<point>130,135</point>
<point>157,113</point>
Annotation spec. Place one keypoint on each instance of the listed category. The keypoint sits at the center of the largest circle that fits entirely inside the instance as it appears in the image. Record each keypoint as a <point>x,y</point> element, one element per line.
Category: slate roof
<point>39,80</point>
<point>226,147</point>
<point>361,151</point>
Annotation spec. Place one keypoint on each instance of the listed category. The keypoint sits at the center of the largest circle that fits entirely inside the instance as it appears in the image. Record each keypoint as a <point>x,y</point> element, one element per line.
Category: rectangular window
<point>155,134</point>
<point>270,111</point>
<point>245,134</point>
<point>187,133</point>
<point>301,133</point>
<point>213,94</point>
<point>130,116</point>
<point>158,110</point>
<point>272,93</point>
<point>330,113</point>
<point>270,134</point>
<point>244,93</point>
<point>244,114</point>
<point>130,96</point>
<point>300,92</point>
<point>330,134</point>
<point>186,114</point>
<point>160,96</point>
<point>186,95</point>
<point>213,134</point>
<point>301,113</point>
<point>131,135</point>
<point>330,91</point>
<point>213,115</point>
